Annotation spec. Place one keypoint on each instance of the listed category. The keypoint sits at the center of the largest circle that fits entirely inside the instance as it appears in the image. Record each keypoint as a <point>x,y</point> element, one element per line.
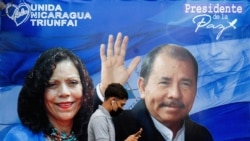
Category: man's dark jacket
<point>130,121</point>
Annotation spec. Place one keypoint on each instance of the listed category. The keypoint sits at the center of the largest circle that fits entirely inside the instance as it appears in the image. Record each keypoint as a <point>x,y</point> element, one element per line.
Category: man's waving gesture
<point>113,67</point>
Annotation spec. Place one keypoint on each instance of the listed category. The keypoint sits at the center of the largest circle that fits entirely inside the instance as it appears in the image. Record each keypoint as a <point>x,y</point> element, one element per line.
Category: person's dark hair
<point>31,107</point>
<point>115,90</point>
<point>171,50</point>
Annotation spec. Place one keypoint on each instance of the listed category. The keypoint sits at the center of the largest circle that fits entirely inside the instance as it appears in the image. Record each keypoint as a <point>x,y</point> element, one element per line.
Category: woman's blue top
<point>22,133</point>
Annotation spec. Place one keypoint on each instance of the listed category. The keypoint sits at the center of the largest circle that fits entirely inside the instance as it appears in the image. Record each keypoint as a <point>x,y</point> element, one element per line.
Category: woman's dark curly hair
<point>31,107</point>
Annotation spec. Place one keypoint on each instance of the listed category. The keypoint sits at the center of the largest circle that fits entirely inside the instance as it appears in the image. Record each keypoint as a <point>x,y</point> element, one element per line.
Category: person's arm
<point>98,97</point>
<point>112,60</point>
<point>134,137</point>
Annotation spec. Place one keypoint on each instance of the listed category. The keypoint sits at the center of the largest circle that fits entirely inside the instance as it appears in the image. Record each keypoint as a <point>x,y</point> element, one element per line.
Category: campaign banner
<point>216,33</point>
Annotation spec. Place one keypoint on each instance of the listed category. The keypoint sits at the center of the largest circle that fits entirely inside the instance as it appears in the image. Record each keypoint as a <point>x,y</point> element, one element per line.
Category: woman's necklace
<point>57,136</point>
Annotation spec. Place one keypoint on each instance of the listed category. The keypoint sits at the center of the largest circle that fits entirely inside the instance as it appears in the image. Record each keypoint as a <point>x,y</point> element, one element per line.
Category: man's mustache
<point>172,103</point>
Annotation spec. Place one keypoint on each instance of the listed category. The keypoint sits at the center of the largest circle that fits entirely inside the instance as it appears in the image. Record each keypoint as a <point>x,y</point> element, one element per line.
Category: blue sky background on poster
<point>148,24</point>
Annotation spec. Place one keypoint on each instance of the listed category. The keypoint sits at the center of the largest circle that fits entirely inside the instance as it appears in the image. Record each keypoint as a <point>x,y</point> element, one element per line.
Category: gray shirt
<point>101,127</point>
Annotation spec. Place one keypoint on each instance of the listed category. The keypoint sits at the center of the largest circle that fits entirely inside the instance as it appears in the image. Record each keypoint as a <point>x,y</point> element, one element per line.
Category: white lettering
<point>45,7</point>
<point>213,8</point>
<point>47,22</point>
<point>60,15</point>
<point>204,21</point>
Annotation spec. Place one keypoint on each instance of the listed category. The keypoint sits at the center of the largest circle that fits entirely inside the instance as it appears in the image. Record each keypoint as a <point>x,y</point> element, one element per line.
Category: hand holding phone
<point>134,137</point>
<point>138,134</point>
